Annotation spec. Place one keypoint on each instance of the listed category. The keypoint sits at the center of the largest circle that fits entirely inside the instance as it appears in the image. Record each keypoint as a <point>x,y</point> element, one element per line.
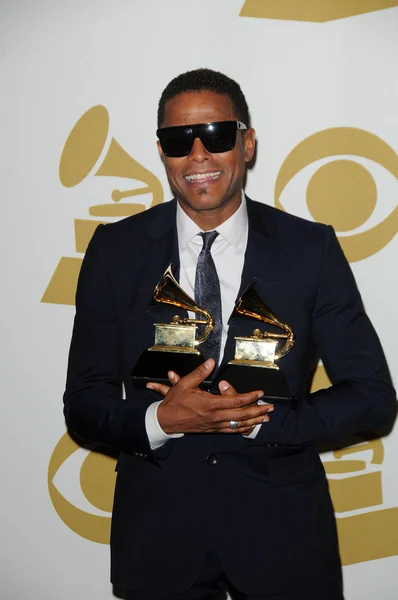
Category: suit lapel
<point>263,252</point>
<point>163,251</point>
<point>261,266</point>
<point>157,254</point>
<point>164,241</point>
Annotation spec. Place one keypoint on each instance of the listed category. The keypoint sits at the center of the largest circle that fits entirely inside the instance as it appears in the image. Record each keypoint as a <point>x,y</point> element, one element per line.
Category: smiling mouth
<point>202,177</point>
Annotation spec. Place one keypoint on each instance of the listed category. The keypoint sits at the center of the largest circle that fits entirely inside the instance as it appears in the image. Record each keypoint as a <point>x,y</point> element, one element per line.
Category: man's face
<point>225,170</point>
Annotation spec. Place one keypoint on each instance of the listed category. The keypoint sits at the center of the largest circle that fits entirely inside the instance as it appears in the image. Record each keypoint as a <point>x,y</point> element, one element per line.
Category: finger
<point>226,389</point>
<point>192,380</point>
<point>173,377</point>
<point>240,431</point>
<point>237,400</point>
<point>243,414</point>
<point>158,387</point>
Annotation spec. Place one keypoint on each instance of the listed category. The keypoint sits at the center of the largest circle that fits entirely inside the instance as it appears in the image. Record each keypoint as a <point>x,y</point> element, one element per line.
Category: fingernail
<point>266,419</point>
<point>171,375</point>
<point>149,386</point>
<point>224,385</point>
<point>208,363</point>
<point>271,409</point>
<point>260,395</point>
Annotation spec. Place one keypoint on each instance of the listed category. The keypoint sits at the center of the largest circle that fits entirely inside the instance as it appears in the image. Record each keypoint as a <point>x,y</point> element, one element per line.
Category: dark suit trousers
<point>213,585</point>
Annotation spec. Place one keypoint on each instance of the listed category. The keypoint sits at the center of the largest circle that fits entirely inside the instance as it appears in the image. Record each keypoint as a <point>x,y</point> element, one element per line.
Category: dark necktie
<point>208,295</point>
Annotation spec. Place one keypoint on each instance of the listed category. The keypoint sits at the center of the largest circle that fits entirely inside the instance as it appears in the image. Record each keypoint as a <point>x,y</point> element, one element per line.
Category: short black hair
<point>205,80</point>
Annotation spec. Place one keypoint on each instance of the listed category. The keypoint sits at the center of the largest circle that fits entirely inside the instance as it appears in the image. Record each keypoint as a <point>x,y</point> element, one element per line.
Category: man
<point>221,490</point>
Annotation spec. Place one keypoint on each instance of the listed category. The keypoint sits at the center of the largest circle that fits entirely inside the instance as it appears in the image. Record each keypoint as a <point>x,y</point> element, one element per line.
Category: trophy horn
<point>83,150</point>
<point>169,291</point>
<point>250,305</point>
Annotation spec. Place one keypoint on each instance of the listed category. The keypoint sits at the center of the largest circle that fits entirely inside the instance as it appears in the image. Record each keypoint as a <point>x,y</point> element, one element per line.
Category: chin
<point>199,206</point>
<point>202,200</point>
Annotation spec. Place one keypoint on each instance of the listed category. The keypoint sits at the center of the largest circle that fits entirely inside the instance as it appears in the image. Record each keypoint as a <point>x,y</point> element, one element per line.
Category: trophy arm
<point>208,328</point>
<point>287,346</point>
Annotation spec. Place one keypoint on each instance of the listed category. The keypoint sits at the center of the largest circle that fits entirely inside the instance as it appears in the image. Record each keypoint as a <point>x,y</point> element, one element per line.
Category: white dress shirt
<point>228,252</point>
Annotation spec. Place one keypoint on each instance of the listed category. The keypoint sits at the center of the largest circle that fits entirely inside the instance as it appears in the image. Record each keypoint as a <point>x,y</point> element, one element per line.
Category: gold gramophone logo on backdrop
<point>366,526</point>
<point>89,150</point>
<point>316,11</point>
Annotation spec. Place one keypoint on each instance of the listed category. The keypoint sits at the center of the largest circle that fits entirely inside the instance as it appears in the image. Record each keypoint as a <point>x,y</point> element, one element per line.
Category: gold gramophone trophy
<point>91,150</point>
<point>253,367</point>
<point>176,343</point>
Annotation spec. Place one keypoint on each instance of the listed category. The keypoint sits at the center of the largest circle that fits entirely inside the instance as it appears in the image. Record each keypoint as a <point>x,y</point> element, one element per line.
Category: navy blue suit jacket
<point>264,503</point>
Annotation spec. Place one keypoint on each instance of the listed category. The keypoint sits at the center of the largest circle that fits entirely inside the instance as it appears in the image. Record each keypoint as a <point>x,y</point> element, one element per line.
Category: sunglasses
<point>216,137</point>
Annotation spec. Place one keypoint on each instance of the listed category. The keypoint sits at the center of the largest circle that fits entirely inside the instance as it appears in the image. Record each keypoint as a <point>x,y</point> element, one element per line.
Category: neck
<point>210,219</point>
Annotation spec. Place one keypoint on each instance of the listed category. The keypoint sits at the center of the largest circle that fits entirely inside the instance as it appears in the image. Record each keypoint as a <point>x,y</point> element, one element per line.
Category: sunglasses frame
<point>191,132</point>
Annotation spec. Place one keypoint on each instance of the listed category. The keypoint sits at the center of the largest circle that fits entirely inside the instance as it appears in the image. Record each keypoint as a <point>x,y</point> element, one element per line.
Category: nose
<point>199,153</point>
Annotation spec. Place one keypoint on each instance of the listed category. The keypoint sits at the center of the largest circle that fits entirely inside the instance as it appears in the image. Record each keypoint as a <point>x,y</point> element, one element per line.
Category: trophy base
<point>249,378</point>
<point>154,365</point>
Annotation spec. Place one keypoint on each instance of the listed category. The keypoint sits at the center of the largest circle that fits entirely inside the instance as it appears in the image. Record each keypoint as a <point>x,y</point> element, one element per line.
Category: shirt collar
<point>232,230</point>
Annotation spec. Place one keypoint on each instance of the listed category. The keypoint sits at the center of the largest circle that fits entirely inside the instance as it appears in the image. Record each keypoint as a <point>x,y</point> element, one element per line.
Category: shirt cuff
<point>255,431</point>
<point>253,434</point>
<point>156,436</point>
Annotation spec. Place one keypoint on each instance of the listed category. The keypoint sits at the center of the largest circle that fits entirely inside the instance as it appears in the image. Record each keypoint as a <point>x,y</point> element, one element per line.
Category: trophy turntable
<point>177,342</point>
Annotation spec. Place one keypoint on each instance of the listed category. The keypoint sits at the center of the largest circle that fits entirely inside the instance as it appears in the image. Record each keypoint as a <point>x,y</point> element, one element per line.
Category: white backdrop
<point>337,79</point>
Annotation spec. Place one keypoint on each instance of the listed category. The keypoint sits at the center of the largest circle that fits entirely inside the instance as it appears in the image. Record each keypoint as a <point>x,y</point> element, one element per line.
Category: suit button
<point>211,459</point>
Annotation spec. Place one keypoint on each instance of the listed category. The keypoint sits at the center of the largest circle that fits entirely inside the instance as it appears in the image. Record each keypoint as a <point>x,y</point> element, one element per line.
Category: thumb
<point>226,389</point>
<point>195,378</point>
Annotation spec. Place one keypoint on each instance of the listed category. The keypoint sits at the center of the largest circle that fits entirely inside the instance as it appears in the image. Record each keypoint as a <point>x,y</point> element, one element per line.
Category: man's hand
<point>187,409</point>
<point>226,389</point>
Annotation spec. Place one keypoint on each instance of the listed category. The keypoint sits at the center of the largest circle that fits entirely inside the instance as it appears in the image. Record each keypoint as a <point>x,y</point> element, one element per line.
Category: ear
<point>249,144</point>
<point>160,150</point>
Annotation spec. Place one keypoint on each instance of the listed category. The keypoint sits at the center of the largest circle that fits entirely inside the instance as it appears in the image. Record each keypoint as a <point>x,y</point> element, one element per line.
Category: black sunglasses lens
<point>219,137</point>
<point>216,137</point>
<point>176,141</point>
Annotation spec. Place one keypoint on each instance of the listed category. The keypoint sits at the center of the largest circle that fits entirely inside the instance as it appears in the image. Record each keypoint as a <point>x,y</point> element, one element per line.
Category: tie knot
<point>208,239</point>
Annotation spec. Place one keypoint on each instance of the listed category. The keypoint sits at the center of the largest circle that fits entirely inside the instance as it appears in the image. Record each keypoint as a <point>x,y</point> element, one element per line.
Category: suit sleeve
<point>362,397</point>
<point>93,404</point>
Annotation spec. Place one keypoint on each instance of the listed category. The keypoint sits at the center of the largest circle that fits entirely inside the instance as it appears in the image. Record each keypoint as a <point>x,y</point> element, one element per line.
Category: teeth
<point>203,176</point>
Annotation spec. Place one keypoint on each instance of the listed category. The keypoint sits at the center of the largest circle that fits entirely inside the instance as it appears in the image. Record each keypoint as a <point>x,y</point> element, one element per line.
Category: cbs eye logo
<point>343,164</point>
<point>81,486</point>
